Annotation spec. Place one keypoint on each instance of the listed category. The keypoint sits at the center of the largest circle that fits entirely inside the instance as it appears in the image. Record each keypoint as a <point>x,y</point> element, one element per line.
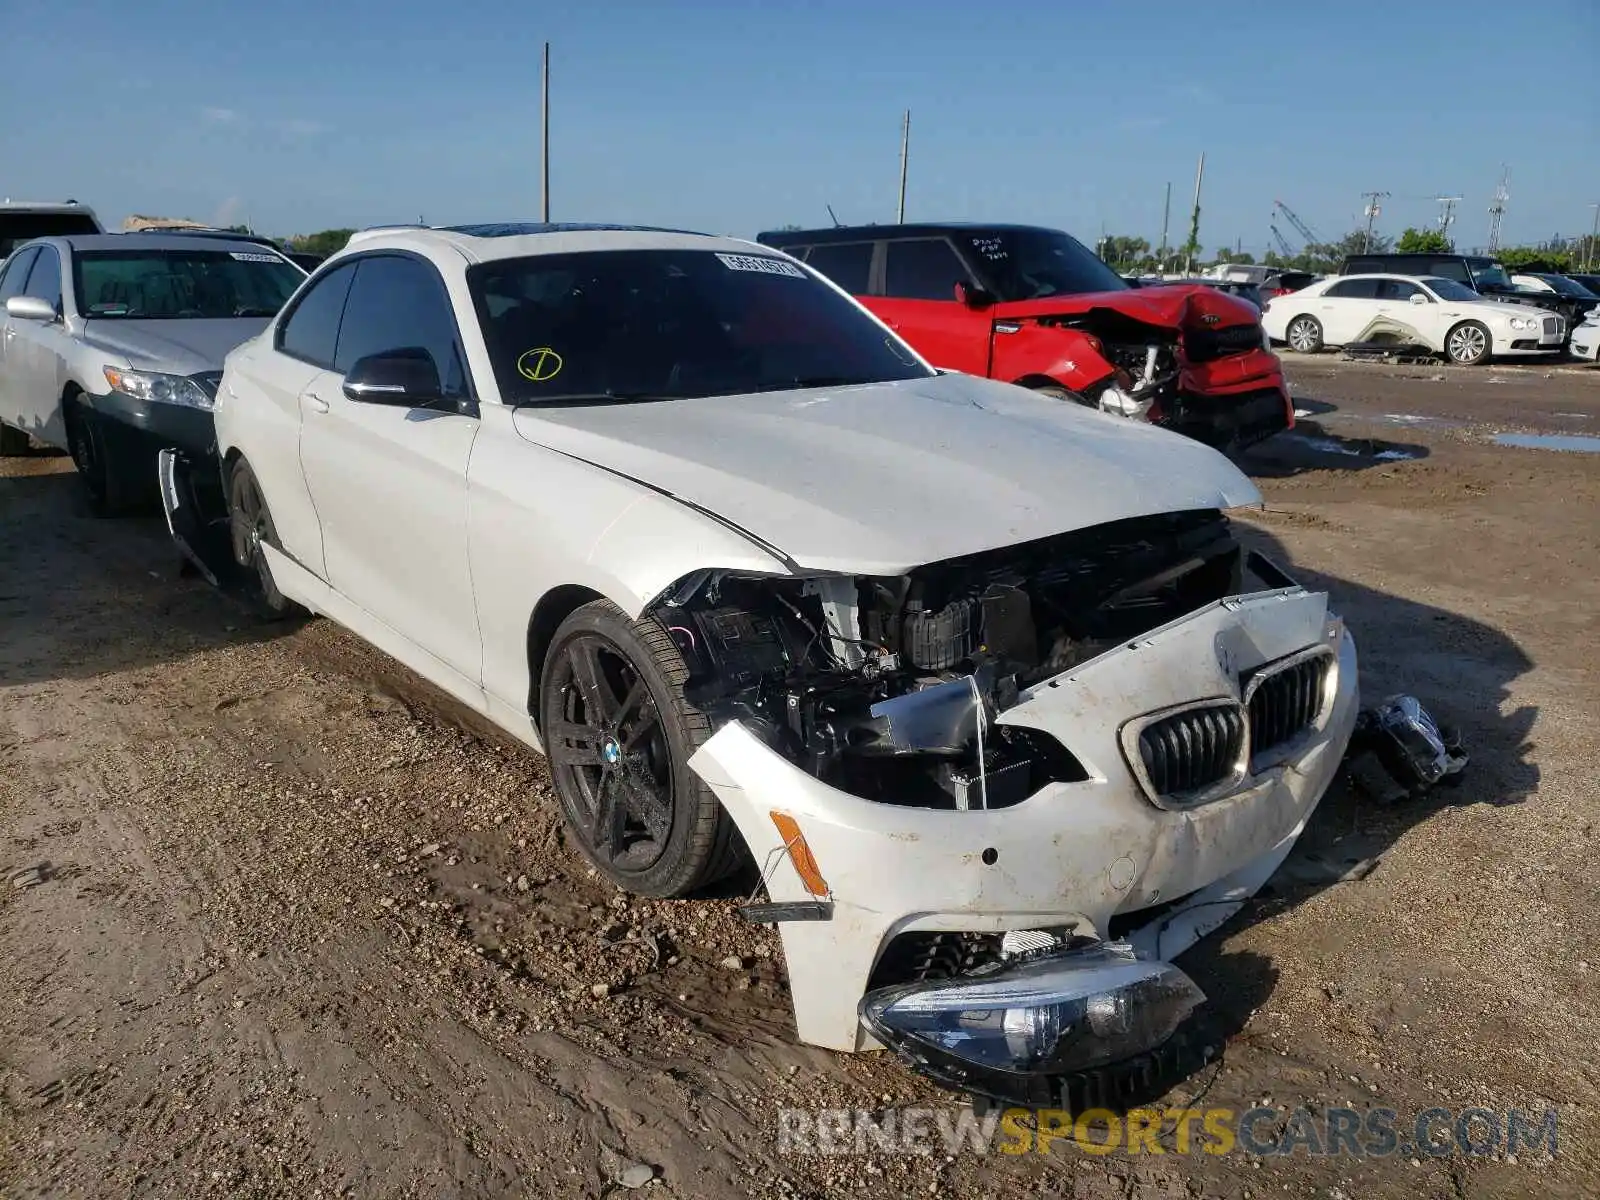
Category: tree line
<point>1132,255</point>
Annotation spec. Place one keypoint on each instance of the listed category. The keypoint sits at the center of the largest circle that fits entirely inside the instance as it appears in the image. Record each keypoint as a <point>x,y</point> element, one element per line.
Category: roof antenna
<point>837,224</point>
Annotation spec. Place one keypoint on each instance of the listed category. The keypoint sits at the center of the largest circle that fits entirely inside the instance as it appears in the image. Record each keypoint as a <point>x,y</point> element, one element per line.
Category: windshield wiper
<point>255,312</point>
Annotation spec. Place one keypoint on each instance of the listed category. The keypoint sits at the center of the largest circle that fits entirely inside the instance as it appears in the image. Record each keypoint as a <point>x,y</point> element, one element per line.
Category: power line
<point>1497,210</point>
<point>1371,212</point>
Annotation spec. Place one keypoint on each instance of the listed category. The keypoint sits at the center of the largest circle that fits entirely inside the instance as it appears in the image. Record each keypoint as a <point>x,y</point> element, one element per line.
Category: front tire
<point>619,735</point>
<point>104,462</point>
<point>1468,344</point>
<point>250,527</point>
<point>1056,392</point>
<point>1304,335</point>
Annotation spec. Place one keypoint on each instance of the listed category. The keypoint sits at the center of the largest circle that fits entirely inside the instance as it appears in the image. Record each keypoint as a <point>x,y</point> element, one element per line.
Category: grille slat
<point>1205,345</point>
<point>1287,702</point>
<point>1192,750</point>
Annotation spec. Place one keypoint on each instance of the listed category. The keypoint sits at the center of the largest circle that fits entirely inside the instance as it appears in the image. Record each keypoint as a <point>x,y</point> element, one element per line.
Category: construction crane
<point>1293,219</point>
<point>1282,242</point>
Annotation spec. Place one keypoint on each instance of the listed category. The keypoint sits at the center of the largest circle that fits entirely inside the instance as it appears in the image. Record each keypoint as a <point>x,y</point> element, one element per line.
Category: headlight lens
<point>1524,323</point>
<point>158,388</point>
<point>1053,1015</point>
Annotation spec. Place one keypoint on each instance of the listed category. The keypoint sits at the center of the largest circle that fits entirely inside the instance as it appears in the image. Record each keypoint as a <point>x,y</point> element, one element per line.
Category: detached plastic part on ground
<point>1398,751</point>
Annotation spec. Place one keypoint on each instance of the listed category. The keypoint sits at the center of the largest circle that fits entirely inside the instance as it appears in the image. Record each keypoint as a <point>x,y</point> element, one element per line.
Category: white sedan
<point>1586,339</point>
<point>958,665</point>
<point>1447,317</point>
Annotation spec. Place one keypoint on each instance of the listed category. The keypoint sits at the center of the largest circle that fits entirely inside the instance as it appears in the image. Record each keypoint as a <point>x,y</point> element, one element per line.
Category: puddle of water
<point>1328,446</point>
<point>1577,442</point>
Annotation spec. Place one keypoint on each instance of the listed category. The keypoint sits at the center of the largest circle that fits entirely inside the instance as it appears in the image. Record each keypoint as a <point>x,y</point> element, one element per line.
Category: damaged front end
<point>1194,361</point>
<point>992,798</point>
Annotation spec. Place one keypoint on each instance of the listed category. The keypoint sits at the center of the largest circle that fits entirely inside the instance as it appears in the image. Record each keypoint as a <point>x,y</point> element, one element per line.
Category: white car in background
<point>1586,339</point>
<point>1447,317</point>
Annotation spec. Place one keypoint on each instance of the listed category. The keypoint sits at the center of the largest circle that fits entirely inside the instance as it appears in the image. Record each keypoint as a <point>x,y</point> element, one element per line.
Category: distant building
<point>135,223</point>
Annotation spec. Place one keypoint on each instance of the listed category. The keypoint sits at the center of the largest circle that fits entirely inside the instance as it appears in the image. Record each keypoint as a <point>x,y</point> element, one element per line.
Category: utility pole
<point>1498,209</point>
<point>1594,234</point>
<point>1193,245</point>
<point>1371,211</point>
<point>1166,216</point>
<point>1447,215</point>
<point>544,141</point>
<point>905,153</point>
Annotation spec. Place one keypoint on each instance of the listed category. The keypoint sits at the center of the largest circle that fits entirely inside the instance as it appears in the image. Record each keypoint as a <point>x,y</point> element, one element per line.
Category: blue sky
<point>738,115</point>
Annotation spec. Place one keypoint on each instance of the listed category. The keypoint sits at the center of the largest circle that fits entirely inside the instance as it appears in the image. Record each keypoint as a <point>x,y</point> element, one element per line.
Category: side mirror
<point>972,297</point>
<point>405,378</point>
<point>1418,298</point>
<point>30,308</point>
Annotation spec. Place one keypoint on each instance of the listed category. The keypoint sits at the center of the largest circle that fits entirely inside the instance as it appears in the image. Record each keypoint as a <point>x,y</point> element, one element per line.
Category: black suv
<point>1480,273</point>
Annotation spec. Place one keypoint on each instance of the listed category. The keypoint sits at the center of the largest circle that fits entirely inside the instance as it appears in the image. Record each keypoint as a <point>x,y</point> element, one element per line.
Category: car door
<point>1396,301</point>
<point>37,354</point>
<point>267,384</point>
<point>11,284</point>
<point>389,482</point>
<point>919,303</point>
<point>1346,309</point>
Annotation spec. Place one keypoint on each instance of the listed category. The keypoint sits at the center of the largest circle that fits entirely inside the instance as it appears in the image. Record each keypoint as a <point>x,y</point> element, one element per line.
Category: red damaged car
<point>1034,307</point>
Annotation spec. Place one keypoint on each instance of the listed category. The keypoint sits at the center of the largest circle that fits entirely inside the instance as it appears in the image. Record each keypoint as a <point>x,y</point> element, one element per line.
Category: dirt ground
<point>277,920</point>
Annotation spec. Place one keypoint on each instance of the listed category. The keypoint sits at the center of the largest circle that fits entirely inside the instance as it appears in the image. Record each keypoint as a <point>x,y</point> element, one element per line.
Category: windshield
<point>19,227</point>
<point>1449,289</point>
<point>670,325</point>
<point>1488,275</point>
<point>1568,287</point>
<point>195,284</point>
<point>1031,264</point>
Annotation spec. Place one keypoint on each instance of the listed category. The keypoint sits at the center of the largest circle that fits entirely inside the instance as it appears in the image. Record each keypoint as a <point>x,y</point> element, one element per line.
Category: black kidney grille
<point>1287,703</point>
<point>1193,749</point>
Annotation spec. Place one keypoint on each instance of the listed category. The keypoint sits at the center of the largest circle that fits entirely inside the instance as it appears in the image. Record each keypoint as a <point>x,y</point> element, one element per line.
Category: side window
<point>922,269</point>
<point>17,274</point>
<point>1452,268</point>
<point>1353,289</point>
<point>1398,289</point>
<point>400,304</point>
<point>849,264</point>
<point>44,281</point>
<point>311,331</point>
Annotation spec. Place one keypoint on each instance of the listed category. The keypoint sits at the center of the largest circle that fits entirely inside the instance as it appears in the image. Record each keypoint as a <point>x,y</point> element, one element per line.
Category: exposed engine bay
<point>1146,361</point>
<point>886,687</point>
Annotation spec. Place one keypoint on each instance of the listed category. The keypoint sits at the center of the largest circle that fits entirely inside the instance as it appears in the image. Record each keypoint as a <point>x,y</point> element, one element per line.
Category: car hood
<point>178,346</point>
<point>880,478</point>
<point>1172,306</point>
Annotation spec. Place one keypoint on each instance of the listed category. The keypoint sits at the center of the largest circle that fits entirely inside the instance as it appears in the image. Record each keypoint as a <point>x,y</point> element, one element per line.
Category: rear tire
<point>619,735</point>
<point>1304,335</point>
<point>250,526</point>
<point>13,442</point>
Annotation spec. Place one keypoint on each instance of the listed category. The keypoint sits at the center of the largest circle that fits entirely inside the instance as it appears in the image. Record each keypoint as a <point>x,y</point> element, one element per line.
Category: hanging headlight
<point>1052,1015</point>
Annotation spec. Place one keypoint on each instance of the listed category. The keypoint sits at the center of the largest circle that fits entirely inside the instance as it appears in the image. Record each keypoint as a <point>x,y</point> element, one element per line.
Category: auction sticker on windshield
<point>755,262</point>
<point>241,256</point>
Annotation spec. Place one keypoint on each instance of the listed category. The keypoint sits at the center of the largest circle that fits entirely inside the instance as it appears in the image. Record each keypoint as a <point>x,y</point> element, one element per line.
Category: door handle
<point>316,402</point>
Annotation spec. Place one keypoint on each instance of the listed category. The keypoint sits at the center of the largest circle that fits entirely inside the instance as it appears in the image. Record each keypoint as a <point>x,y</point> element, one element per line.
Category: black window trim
<point>469,402</point>
<point>31,250</point>
<point>874,262</point>
<point>61,283</point>
<point>882,264</point>
<point>281,324</point>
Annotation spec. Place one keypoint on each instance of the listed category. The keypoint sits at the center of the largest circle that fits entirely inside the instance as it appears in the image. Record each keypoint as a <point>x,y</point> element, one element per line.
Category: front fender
<point>1067,356</point>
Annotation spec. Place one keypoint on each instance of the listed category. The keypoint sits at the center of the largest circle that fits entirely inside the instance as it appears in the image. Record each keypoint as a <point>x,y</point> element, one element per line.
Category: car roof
<point>148,241</point>
<point>857,233</point>
<point>522,239</point>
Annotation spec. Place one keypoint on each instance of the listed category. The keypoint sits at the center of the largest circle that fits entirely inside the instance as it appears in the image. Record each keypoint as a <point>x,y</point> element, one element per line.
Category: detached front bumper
<point>1072,854</point>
